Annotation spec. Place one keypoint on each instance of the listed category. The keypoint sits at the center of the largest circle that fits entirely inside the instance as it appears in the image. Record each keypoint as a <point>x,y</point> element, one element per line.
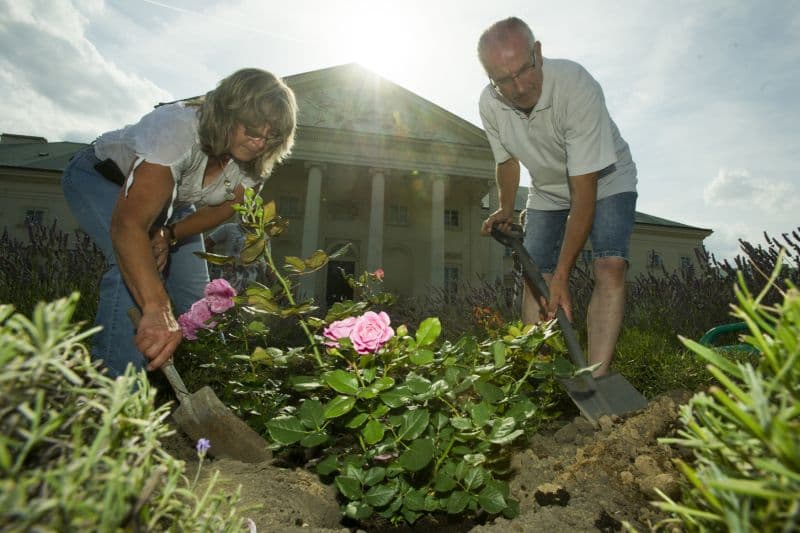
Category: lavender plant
<point>80,451</point>
<point>745,432</point>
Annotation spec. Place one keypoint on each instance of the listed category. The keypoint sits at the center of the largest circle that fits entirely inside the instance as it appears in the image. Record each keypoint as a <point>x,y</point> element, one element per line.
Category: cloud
<point>54,80</point>
<point>737,188</point>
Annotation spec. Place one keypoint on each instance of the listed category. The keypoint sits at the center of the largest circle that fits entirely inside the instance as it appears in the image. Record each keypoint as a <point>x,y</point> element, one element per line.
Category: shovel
<point>203,415</point>
<point>611,394</point>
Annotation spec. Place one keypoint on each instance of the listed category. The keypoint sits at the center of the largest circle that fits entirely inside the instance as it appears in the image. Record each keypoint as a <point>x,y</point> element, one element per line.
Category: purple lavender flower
<point>202,446</point>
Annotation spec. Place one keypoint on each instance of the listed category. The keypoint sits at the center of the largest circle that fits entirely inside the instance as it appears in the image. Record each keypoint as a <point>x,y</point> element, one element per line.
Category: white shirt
<point>168,136</point>
<point>568,133</point>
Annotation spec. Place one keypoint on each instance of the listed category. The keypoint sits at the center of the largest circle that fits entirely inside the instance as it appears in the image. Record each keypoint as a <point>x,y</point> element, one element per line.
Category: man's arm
<point>583,198</point>
<point>507,177</point>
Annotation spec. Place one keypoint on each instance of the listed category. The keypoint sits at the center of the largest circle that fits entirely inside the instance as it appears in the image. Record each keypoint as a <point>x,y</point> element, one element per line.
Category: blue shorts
<point>610,235</point>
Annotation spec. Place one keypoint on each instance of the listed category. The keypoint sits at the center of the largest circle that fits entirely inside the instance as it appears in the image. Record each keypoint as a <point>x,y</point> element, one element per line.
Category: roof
<point>37,153</point>
<point>639,218</point>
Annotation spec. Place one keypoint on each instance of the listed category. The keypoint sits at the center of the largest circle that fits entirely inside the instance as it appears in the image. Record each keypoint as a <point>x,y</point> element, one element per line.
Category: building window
<point>34,216</point>
<point>686,263</point>
<point>397,215</point>
<point>451,273</point>
<point>289,206</point>
<point>508,251</point>
<point>451,218</point>
<point>654,259</point>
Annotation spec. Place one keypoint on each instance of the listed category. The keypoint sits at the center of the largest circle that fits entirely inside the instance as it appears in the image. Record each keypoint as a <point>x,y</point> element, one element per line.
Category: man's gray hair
<point>499,32</point>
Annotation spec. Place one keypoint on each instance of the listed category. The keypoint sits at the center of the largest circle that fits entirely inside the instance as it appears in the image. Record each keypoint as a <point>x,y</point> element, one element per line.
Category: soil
<point>572,477</point>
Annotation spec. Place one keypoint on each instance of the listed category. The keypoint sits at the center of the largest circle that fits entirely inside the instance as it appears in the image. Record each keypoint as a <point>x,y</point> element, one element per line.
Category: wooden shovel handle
<point>167,368</point>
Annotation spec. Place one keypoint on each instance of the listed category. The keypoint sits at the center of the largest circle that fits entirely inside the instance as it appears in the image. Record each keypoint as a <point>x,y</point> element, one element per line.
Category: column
<point>437,232</point>
<point>310,241</point>
<point>495,270</point>
<point>375,239</point>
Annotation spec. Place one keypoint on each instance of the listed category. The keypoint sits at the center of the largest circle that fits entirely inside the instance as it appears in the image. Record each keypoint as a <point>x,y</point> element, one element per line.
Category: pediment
<point>352,98</point>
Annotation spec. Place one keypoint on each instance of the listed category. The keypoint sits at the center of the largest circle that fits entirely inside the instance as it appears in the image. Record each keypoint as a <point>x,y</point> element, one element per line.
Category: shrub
<point>745,432</point>
<point>79,451</point>
<point>47,267</point>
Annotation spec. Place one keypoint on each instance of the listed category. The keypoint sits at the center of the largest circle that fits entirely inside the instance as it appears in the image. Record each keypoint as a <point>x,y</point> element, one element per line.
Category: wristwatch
<point>168,231</point>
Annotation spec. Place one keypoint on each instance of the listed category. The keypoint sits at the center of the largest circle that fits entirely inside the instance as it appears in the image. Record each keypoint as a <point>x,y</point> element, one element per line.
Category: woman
<point>183,165</point>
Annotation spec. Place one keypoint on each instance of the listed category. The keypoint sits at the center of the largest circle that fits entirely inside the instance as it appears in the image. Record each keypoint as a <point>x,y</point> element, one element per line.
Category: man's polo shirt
<point>568,133</point>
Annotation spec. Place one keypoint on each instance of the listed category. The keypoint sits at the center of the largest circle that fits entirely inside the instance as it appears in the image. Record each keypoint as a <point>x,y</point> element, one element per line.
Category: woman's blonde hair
<point>254,98</point>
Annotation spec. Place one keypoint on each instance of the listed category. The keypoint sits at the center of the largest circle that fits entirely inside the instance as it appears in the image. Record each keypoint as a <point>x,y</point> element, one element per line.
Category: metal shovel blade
<point>203,415</point>
<point>608,395</point>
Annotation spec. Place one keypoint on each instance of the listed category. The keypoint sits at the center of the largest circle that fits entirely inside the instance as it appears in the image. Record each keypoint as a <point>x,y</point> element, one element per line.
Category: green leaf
<point>339,406</point>
<point>417,456</point>
<point>286,429</point>
<point>474,478</point>
<point>503,431</point>
<point>328,465</point>
<point>357,421</point>
<point>499,352</point>
<point>380,495</point>
<point>374,476</point>
<point>317,260</point>
<point>481,413</point>
<point>491,499</point>
<point>421,357</point>
<point>444,482</point>
<point>304,383</point>
<point>464,424</point>
<point>414,423</point>
<point>397,397</point>
<point>417,384</point>
<point>373,432</point>
<point>490,393</point>
<point>253,248</point>
<point>383,383</point>
<point>414,500</point>
<point>358,510</point>
<point>349,487</point>
<point>457,502</point>
<point>428,331</point>
<point>294,264</point>
<point>314,439</point>
<point>310,413</point>
<point>341,381</point>
<point>216,259</point>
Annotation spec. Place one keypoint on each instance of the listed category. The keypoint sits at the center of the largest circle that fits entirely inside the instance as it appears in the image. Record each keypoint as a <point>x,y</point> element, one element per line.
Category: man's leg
<point>610,238</point>
<point>606,309</point>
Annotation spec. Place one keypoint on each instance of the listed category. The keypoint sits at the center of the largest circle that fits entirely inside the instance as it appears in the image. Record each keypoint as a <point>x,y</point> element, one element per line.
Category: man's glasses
<point>507,82</point>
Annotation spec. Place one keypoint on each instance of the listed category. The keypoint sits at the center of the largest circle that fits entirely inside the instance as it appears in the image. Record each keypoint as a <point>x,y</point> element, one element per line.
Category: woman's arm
<point>157,334</point>
<point>207,217</point>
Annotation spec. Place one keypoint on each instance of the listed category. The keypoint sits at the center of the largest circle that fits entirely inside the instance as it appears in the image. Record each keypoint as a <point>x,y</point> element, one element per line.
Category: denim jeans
<point>610,236</point>
<point>91,199</point>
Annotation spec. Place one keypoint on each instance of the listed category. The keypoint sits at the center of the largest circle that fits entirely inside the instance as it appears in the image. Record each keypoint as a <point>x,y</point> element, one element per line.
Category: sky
<point>705,92</point>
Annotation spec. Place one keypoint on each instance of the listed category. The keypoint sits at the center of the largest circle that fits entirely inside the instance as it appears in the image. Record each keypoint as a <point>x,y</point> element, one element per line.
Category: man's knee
<point>610,271</point>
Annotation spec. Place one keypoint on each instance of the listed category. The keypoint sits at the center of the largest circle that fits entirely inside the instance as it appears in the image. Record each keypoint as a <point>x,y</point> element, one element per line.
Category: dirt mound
<point>572,478</point>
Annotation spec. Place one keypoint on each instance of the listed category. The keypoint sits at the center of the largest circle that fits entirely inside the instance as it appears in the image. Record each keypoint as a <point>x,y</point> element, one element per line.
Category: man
<point>550,116</point>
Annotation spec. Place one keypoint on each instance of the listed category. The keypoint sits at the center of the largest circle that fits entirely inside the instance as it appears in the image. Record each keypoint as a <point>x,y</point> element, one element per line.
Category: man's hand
<point>157,336</point>
<point>502,218</point>
<point>559,296</point>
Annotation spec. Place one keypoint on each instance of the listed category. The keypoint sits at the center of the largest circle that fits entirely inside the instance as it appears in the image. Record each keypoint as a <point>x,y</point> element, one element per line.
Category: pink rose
<point>219,295</point>
<point>198,317</point>
<point>371,331</point>
<point>378,274</point>
<point>338,330</point>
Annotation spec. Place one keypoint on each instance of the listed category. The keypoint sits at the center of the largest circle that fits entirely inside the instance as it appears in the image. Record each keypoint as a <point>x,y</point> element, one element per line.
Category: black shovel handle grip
<point>532,273</point>
<point>168,368</point>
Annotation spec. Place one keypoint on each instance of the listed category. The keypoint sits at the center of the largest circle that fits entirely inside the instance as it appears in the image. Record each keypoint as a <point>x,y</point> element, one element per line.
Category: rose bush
<point>219,297</point>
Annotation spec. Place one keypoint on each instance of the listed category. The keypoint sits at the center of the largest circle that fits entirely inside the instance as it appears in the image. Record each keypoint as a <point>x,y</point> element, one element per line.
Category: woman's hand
<point>157,336</point>
<point>159,243</point>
